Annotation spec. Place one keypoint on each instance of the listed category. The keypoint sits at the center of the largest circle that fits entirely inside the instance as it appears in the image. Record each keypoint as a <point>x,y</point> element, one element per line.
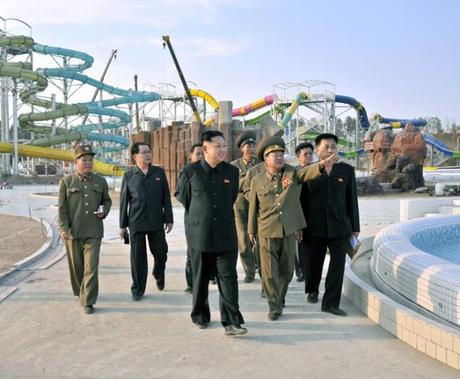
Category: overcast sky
<point>398,58</point>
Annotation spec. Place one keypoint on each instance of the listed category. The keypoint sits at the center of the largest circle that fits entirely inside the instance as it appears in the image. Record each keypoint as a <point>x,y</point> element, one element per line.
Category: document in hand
<point>354,244</point>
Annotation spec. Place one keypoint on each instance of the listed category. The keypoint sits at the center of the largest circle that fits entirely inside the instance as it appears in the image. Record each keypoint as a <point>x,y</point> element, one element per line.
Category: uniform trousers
<point>246,250</point>
<point>139,267</point>
<point>223,264</point>
<point>83,259</point>
<point>277,257</point>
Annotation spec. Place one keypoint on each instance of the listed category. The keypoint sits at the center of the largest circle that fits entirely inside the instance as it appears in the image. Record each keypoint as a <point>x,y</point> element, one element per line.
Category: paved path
<point>44,333</point>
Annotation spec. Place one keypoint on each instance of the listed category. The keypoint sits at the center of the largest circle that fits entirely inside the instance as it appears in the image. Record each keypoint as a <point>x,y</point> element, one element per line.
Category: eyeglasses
<point>144,152</point>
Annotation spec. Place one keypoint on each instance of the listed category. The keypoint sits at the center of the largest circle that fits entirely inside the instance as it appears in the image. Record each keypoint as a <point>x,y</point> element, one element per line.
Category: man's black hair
<point>192,148</point>
<point>320,137</point>
<point>208,135</point>
<point>135,148</point>
<point>303,145</point>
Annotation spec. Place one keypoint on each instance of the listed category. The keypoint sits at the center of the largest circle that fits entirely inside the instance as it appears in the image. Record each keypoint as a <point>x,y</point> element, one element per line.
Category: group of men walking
<point>279,217</point>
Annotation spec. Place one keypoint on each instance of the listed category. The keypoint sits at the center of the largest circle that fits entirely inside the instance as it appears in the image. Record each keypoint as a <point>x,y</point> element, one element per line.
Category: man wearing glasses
<point>145,208</point>
<point>208,190</point>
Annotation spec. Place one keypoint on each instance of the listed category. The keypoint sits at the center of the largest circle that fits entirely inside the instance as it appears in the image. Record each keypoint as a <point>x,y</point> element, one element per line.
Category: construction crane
<point>167,42</point>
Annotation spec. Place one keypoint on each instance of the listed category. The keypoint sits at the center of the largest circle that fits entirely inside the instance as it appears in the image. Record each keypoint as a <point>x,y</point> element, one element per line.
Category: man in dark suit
<point>332,216</point>
<point>304,154</point>
<point>145,208</point>
<point>208,190</point>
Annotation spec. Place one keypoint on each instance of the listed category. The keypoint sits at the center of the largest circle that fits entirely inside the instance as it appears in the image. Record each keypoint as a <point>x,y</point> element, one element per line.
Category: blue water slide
<point>362,114</point>
<point>401,123</point>
<point>438,145</point>
<point>95,107</point>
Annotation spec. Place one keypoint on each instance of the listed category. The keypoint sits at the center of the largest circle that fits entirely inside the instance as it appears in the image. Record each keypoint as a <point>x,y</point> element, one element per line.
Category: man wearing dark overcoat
<point>332,217</point>
<point>208,190</point>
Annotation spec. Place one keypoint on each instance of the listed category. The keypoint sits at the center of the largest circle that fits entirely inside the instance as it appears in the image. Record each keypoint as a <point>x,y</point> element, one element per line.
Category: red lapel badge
<point>157,179</point>
<point>226,181</point>
<point>340,180</point>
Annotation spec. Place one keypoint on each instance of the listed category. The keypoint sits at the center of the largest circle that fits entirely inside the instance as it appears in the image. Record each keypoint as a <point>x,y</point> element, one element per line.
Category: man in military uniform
<point>145,208</point>
<point>208,190</point>
<point>246,142</point>
<point>275,213</point>
<point>332,217</point>
<point>304,154</point>
<point>83,203</point>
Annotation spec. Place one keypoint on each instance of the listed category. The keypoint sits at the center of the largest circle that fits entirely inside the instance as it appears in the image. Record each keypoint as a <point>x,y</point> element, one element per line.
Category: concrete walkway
<point>44,333</point>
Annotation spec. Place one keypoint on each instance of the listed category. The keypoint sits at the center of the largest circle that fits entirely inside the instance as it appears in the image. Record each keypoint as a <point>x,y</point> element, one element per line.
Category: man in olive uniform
<point>145,208</point>
<point>246,142</point>
<point>332,217</point>
<point>208,190</point>
<point>276,215</point>
<point>83,203</point>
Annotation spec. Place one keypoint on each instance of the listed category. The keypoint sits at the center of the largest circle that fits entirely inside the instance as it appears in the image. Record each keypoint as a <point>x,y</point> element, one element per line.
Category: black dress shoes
<point>137,297</point>
<point>202,325</point>
<point>334,311</point>
<point>88,309</point>
<point>235,330</point>
<point>273,316</point>
<point>161,283</point>
<point>312,297</point>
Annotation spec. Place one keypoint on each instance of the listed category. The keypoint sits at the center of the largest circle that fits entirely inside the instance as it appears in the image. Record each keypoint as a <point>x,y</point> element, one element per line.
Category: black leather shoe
<point>262,294</point>
<point>189,290</point>
<point>235,330</point>
<point>88,309</point>
<point>273,316</point>
<point>334,311</point>
<point>284,303</point>
<point>161,283</point>
<point>300,278</point>
<point>202,325</point>
<point>248,279</point>
<point>312,297</point>
<point>137,297</point>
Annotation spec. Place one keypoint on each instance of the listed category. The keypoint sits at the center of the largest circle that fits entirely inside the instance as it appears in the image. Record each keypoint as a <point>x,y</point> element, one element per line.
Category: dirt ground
<point>20,238</point>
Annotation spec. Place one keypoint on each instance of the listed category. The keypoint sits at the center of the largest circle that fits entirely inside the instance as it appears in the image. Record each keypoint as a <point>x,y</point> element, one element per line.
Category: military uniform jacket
<point>78,200</point>
<point>145,200</point>
<point>241,206</point>
<point>274,207</point>
<point>331,206</point>
<point>208,195</point>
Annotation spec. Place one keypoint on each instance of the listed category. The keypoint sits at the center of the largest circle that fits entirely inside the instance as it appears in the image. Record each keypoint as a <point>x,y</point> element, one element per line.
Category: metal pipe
<point>181,75</point>
<point>15,128</point>
<point>136,106</point>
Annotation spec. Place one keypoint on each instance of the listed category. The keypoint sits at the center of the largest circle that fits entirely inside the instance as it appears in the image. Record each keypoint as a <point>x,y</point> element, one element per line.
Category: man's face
<point>305,156</point>
<point>196,155</point>
<point>215,149</point>
<point>144,156</point>
<point>249,151</point>
<point>326,148</point>
<point>84,164</point>
<point>275,160</point>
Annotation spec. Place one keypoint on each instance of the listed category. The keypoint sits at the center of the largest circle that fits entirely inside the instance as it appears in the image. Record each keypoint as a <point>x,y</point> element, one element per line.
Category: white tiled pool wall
<point>430,281</point>
<point>415,208</point>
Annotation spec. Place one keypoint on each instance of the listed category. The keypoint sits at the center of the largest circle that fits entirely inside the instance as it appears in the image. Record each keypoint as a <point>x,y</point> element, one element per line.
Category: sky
<point>400,59</point>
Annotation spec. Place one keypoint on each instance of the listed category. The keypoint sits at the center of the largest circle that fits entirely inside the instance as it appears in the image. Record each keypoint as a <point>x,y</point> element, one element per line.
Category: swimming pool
<point>420,260</point>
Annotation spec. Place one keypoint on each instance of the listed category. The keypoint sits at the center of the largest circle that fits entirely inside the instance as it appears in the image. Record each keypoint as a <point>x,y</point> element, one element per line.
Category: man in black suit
<point>145,208</point>
<point>332,216</point>
<point>208,190</point>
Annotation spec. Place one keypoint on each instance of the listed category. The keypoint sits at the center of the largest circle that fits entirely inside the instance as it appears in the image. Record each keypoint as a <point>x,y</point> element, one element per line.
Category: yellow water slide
<point>58,155</point>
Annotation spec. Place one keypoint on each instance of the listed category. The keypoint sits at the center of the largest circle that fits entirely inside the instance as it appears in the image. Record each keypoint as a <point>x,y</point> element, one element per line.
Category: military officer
<point>83,203</point>
<point>208,190</point>
<point>304,154</point>
<point>276,215</point>
<point>332,217</point>
<point>246,142</point>
<point>145,208</point>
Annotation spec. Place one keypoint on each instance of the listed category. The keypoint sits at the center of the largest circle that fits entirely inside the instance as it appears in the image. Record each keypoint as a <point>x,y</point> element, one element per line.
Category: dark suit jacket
<point>330,203</point>
<point>208,195</point>
<point>145,201</point>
